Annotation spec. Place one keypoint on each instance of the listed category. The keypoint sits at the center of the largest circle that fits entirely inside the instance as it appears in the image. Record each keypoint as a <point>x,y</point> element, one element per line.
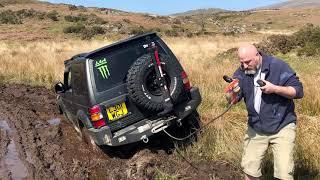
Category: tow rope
<point>191,134</point>
<point>201,128</point>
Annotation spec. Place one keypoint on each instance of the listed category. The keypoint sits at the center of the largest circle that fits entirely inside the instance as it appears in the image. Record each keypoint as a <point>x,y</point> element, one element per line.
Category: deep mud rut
<point>38,143</point>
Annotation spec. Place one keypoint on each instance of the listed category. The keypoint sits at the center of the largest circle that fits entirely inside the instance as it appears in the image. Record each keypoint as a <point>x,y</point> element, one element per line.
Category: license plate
<point>117,111</point>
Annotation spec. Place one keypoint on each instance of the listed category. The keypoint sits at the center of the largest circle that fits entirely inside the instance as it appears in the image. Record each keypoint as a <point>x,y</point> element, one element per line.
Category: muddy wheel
<point>89,140</point>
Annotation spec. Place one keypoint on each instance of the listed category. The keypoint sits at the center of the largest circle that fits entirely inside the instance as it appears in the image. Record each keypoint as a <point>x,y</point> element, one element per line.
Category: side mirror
<point>59,88</point>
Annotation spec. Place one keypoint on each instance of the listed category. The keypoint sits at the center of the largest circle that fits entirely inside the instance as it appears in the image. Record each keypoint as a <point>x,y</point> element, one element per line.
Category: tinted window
<point>79,86</point>
<point>110,69</point>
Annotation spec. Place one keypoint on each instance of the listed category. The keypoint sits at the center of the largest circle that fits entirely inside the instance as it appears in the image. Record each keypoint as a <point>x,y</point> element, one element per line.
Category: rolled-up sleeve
<point>289,78</point>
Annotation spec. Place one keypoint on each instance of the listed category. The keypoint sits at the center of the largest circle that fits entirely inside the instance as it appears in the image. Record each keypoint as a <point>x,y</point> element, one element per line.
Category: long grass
<point>41,63</point>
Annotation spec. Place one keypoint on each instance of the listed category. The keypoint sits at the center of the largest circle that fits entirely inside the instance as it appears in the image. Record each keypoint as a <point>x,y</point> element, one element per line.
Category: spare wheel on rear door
<point>142,83</point>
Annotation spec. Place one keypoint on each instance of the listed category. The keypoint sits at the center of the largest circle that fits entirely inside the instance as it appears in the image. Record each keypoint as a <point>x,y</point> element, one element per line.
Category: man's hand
<point>269,88</point>
<point>285,91</point>
<point>232,91</point>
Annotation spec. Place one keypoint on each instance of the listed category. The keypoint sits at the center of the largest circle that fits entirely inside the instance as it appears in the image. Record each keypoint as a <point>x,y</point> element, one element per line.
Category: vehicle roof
<point>91,54</point>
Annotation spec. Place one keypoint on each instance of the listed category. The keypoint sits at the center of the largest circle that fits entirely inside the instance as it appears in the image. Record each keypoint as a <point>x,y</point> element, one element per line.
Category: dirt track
<point>37,143</point>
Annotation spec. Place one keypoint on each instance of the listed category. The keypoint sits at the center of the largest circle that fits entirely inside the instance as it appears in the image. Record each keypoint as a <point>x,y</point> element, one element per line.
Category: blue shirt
<point>275,111</point>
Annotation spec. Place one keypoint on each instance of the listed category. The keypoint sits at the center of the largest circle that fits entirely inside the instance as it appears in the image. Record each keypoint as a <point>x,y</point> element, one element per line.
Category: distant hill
<point>296,4</point>
<point>200,11</point>
<point>16,1</point>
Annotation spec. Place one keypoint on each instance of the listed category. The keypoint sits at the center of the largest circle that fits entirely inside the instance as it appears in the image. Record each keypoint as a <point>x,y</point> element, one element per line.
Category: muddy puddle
<point>54,121</point>
<point>11,164</point>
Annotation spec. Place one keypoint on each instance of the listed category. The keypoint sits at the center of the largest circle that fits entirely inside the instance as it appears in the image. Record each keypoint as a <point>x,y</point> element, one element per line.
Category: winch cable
<point>201,128</point>
<point>191,134</point>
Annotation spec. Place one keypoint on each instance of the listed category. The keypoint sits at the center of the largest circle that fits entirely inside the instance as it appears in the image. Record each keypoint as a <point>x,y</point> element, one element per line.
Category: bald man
<point>271,116</point>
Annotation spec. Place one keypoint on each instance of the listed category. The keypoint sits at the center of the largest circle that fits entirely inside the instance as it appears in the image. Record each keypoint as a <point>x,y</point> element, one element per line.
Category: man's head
<point>250,58</point>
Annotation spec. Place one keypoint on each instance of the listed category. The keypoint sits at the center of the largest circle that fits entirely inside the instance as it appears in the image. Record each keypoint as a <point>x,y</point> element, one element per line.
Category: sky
<point>167,7</point>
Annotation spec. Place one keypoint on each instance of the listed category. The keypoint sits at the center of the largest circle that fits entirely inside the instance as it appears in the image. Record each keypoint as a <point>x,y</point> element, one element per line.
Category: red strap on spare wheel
<point>156,55</point>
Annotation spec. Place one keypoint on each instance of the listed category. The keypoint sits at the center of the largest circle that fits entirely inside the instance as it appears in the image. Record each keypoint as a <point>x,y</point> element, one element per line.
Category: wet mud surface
<point>38,143</point>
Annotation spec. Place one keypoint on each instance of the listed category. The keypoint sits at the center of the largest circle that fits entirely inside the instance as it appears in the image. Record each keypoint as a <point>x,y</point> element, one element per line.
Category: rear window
<point>110,68</point>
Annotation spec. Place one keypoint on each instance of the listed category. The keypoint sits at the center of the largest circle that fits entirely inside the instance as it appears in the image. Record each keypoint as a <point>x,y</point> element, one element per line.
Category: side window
<point>67,78</point>
<point>79,83</point>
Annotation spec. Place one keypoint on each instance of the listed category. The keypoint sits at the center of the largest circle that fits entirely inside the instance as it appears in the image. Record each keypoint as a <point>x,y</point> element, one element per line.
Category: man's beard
<point>252,71</point>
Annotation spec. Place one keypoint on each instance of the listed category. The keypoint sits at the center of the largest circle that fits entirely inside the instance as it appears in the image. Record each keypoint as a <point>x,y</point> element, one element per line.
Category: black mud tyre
<point>89,141</point>
<point>141,82</point>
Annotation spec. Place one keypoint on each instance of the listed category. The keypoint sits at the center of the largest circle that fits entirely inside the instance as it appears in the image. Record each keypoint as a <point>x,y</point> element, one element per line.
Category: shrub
<point>72,7</point>
<point>126,20</point>
<point>189,34</point>
<point>9,17</point>
<point>310,49</point>
<point>98,20</point>
<point>283,43</point>
<point>53,15</point>
<point>41,15</point>
<point>171,32</point>
<point>87,34</point>
<point>78,28</point>
<point>97,30</point>
<point>26,13</point>
<point>177,21</point>
<point>78,18</point>
<point>155,29</point>
<point>137,30</point>
<point>308,34</point>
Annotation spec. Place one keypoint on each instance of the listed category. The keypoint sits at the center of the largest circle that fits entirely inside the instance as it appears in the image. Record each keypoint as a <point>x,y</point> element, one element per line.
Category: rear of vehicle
<point>125,98</point>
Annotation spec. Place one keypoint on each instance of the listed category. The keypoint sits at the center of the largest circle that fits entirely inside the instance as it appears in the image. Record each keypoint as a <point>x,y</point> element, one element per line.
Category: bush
<point>72,7</point>
<point>9,17</point>
<point>283,43</point>
<point>177,21</point>
<point>78,18</point>
<point>126,20</point>
<point>89,33</point>
<point>310,49</point>
<point>190,34</point>
<point>137,30</point>
<point>171,32</point>
<point>97,30</point>
<point>98,20</point>
<point>308,34</point>
<point>53,15</point>
<point>78,28</point>
<point>26,13</point>
<point>306,41</point>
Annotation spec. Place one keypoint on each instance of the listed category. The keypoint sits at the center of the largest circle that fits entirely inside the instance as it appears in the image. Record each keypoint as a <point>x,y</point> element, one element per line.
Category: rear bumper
<point>145,128</point>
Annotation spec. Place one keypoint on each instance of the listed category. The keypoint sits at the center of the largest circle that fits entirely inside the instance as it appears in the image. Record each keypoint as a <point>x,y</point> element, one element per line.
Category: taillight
<point>185,79</point>
<point>96,117</point>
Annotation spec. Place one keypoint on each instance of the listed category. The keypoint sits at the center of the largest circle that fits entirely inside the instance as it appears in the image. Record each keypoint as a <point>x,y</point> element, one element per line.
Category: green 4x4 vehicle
<point>113,95</point>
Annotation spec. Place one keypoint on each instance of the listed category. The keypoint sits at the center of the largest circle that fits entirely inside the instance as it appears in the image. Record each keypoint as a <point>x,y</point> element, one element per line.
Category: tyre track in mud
<point>52,149</point>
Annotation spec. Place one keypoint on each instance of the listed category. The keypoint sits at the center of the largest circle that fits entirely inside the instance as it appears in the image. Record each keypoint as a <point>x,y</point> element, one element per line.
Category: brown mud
<point>38,143</point>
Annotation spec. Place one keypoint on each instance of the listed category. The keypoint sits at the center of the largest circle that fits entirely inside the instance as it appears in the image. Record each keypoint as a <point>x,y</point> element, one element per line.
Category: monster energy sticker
<point>102,66</point>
